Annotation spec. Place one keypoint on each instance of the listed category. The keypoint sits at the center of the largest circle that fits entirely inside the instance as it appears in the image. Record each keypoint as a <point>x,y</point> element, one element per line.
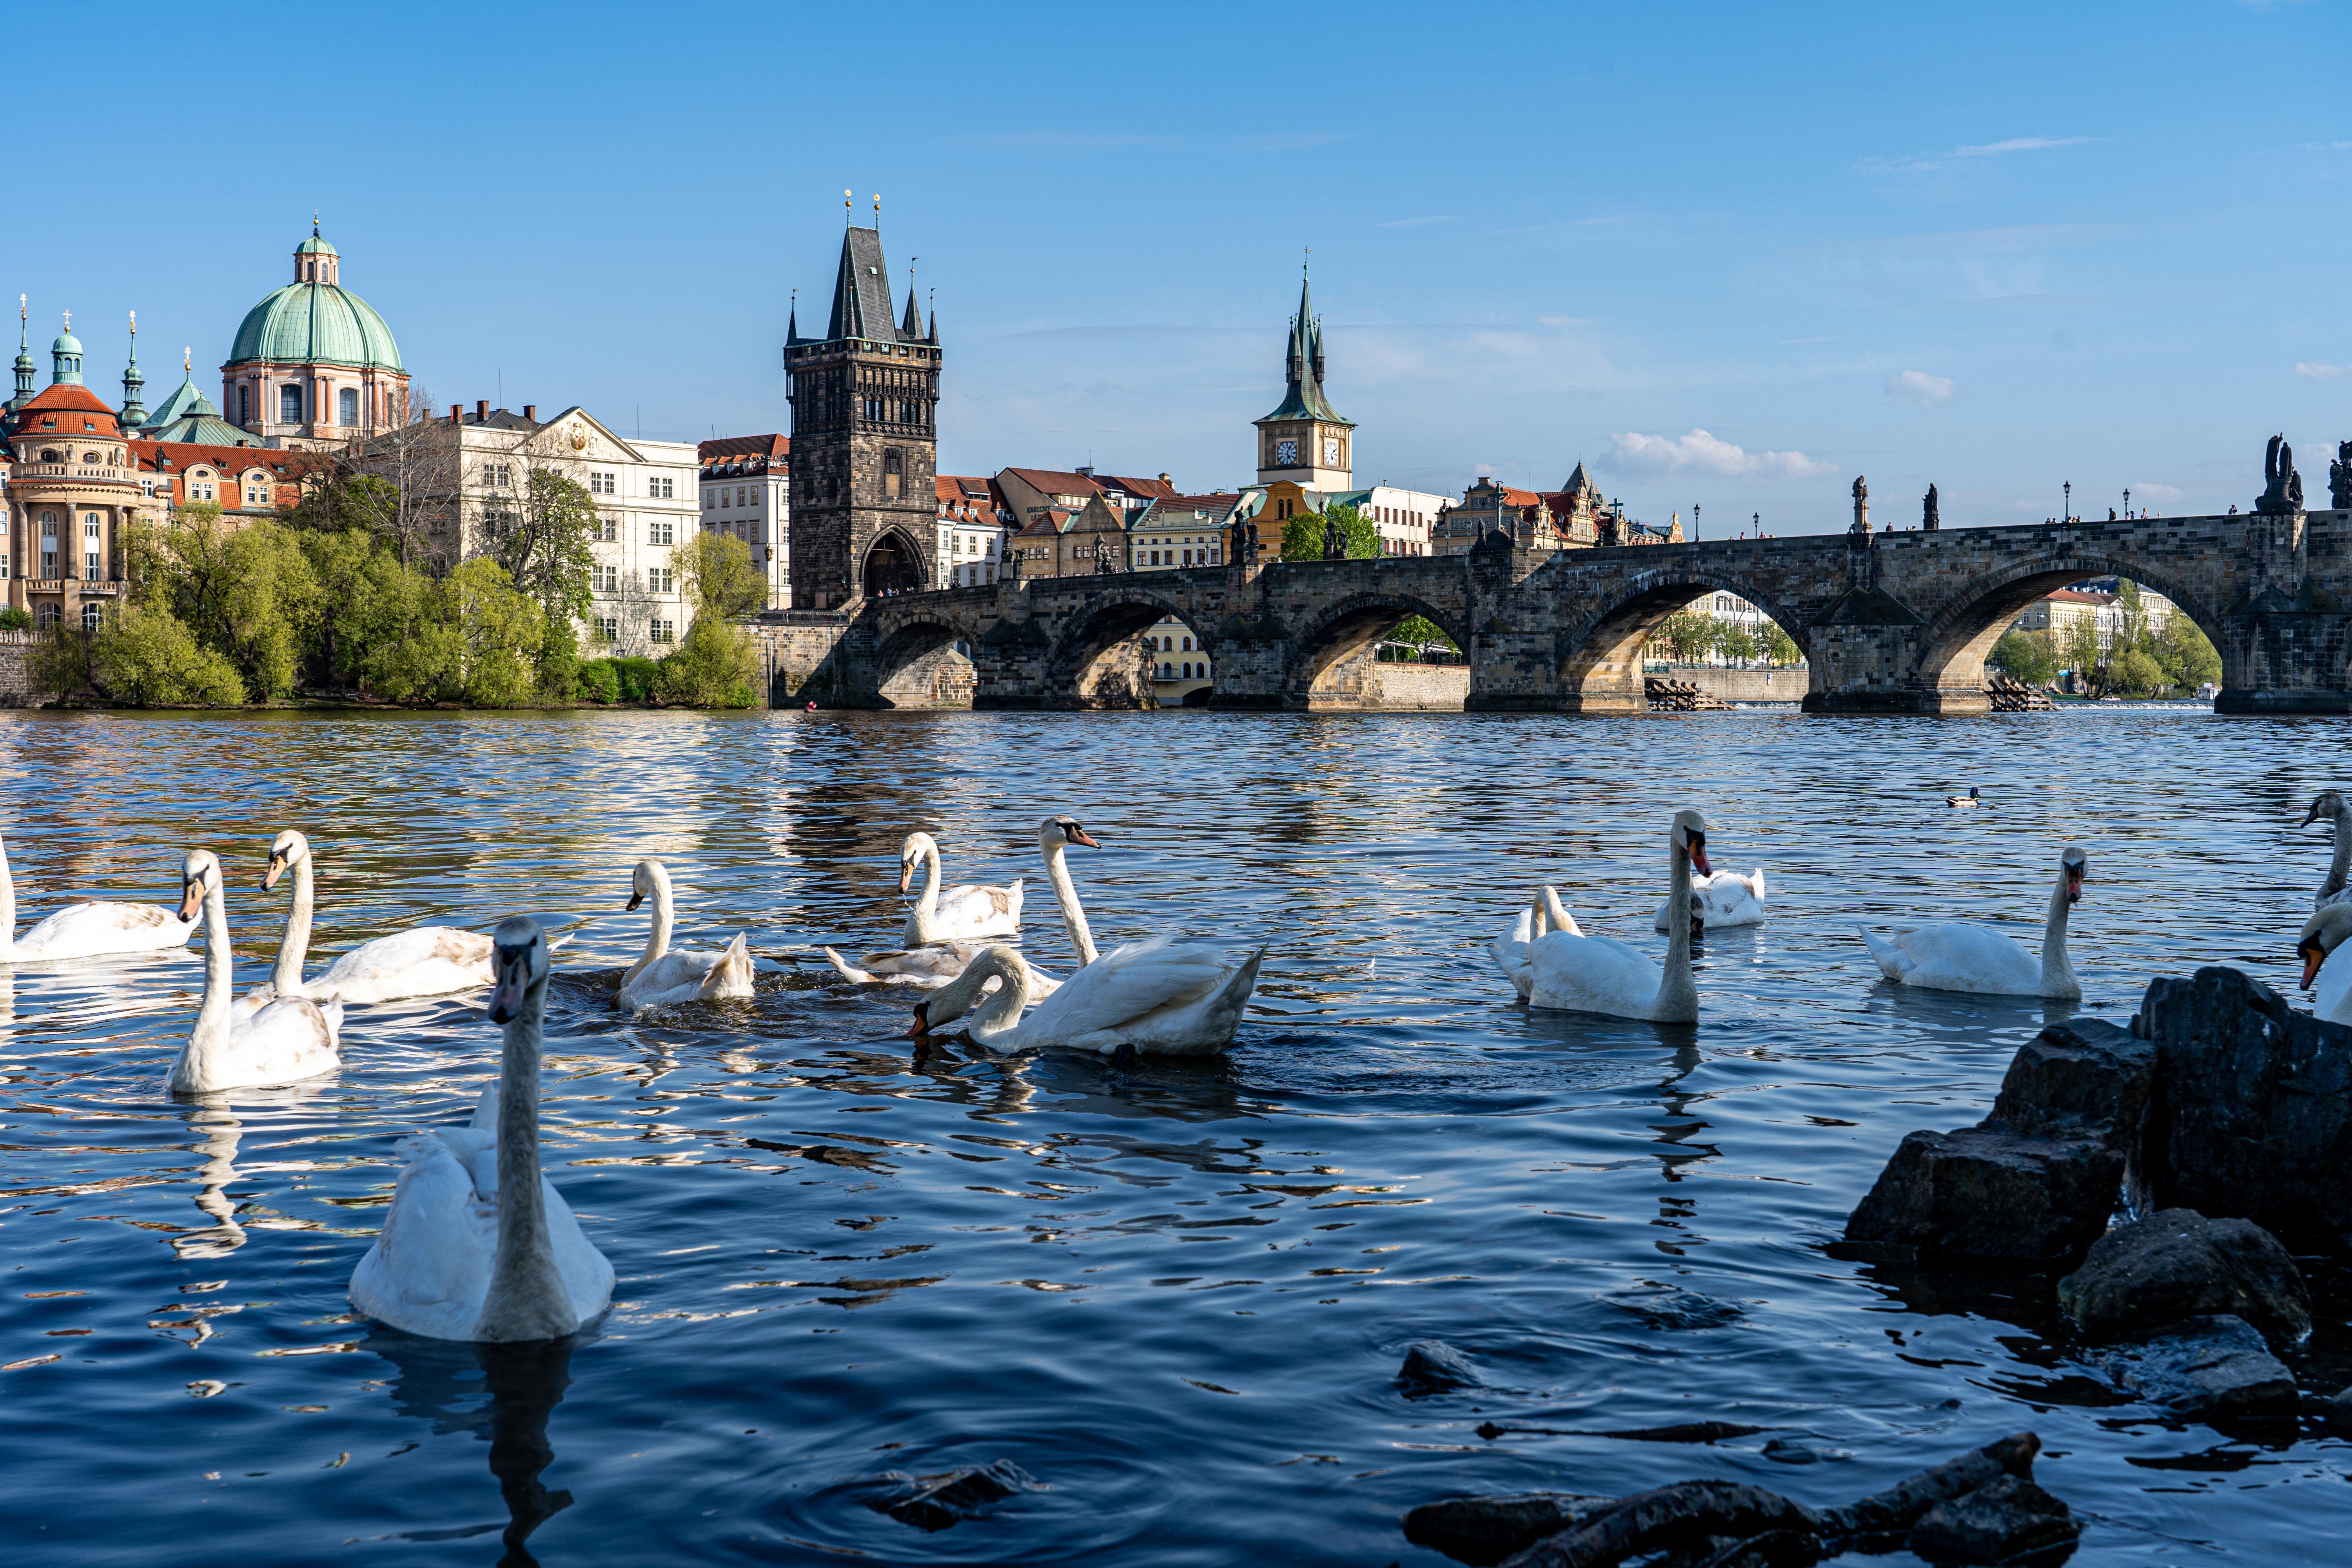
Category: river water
<point>1176,1297</point>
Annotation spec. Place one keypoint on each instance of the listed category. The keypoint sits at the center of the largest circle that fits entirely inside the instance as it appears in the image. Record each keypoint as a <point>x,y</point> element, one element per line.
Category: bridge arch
<point>923,658</point>
<point>1334,656</point>
<point>1098,660</point>
<point>1962,630</point>
<point>1600,653</point>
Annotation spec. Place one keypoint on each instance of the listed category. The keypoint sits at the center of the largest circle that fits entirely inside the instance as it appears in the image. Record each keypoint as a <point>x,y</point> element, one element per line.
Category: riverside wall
<point>1741,685</point>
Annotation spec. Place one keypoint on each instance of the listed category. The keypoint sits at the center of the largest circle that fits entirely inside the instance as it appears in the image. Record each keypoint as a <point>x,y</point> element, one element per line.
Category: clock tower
<point>1304,441</point>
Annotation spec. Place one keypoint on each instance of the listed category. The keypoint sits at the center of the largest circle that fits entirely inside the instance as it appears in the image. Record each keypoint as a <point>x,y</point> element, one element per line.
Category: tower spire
<point>911,327</point>
<point>134,412</point>
<point>793,321</point>
<point>25,368</point>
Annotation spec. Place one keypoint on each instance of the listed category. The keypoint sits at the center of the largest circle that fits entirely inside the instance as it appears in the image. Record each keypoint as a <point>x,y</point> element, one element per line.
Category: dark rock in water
<point>2252,1115</point>
<point>1432,1366</point>
<point>2207,1367</point>
<point>2005,1519</point>
<point>1900,1506</point>
<point>936,1502</point>
<point>1671,1307</point>
<point>1685,1515</point>
<point>1797,1451</point>
<point>1686,1432</point>
<point>1483,1530</point>
<point>2178,1264</point>
<point>2337,1413</point>
<point>2036,1179</point>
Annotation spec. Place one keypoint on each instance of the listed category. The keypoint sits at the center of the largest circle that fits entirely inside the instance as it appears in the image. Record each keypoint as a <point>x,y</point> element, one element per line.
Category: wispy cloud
<point>1921,163</point>
<point>1918,386</point>
<point>1417,222</point>
<point>1701,452</point>
<point>2319,370</point>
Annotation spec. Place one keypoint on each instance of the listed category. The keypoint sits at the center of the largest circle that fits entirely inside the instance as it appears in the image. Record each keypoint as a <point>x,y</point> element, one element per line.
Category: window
<point>661,489</point>
<point>893,473</point>
<point>742,495</point>
<point>605,579</point>
<point>245,406</point>
<point>49,527</point>
<point>498,476</point>
<point>607,629</point>
<point>661,531</point>
<point>290,406</point>
<point>1167,672</point>
<point>89,567</point>
<point>663,632</point>
<point>661,579</point>
<point>606,528</point>
<point>48,616</point>
<point>1188,645</point>
<point>710,499</point>
<point>91,526</point>
<point>601,484</point>
<point>347,405</point>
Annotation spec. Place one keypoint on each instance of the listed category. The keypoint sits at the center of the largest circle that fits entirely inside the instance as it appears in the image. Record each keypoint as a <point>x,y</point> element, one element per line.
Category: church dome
<point>316,323</point>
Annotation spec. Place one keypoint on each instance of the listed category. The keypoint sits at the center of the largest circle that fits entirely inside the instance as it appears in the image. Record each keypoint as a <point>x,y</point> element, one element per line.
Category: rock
<point>2252,1115</point>
<point>1432,1366</point>
<point>2337,1413</point>
<point>2207,1367</point>
<point>1686,1514</point>
<point>2006,1517</point>
<point>1987,1192</point>
<point>936,1502</point>
<point>1486,1529</point>
<point>2178,1264</point>
<point>1900,1506</point>
<point>1671,1307</point>
<point>1686,1432</point>
<point>1797,1451</point>
<point>2036,1179</point>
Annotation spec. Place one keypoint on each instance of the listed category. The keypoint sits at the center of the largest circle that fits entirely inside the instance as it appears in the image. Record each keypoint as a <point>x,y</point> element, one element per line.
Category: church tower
<point>1304,441</point>
<point>865,448</point>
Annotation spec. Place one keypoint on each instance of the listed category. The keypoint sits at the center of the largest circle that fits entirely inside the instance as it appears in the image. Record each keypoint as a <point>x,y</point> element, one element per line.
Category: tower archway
<point>893,566</point>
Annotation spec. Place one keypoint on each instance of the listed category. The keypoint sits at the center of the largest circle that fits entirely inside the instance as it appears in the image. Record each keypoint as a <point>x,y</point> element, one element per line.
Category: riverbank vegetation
<point>2138,657</point>
<point>321,601</point>
<point>1689,635</point>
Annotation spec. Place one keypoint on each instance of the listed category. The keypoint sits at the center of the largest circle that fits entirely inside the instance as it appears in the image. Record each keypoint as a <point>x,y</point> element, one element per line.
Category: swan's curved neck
<point>212,1014</point>
<point>2056,964</point>
<point>2338,871</point>
<point>927,907</point>
<point>1678,991</point>
<point>1065,895</point>
<point>525,1300</point>
<point>287,977</point>
<point>997,1017</point>
<point>657,936</point>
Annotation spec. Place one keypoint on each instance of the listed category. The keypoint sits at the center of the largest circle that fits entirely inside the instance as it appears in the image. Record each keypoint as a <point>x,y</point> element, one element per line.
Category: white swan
<point>425,961</point>
<point>960,913</point>
<point>932,966</point>
<point>238,1047</point>
<point>661,974</point>
<point>1161,997</point>
<point>86,930</point>
<point>477,1244</point>
<point>2329,982</point>
<point>2330,804</point>
<point>1511,950</point>
<point>1723,898</point>
<point>1953,955</point>
<point>1600,975</point>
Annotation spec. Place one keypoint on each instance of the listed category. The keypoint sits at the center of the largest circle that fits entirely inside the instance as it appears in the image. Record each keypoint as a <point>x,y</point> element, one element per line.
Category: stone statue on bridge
<point>1244,541</point>
<point>2339,477</point>
<point>1335,544</point>
<point>1861,506</point>
<point>1930,519</point>
<point>2282,486</point>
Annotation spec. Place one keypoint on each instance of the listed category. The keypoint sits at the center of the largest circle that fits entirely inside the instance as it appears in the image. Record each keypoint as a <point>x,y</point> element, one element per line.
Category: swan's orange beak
<point>922,1024</point>
<point>276,869</point>
<point>1699,855</point>
<point>192,899</point>
<point>906,876</point>
<point>2074,884</point>
<point>2309,953</point>
<point>1080,836</point>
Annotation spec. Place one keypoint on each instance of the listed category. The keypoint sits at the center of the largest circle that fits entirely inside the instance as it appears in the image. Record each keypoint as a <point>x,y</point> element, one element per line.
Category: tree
<point>1302,535</point>
<point>2026,656</point>
<point>418,459</point>
<point>543,541</point>
<point>500,630</point>
<point>715,574</point>
<point>1733,640</point>
<point>2136,670</point>
<point>1779,648</point>
<point>1686,635</point>
<point>145,656</point>
<point>2188,656</point>
<point>247,592</point>
<point>715,667</point>
<point>2077,643</point>
<point>1420,631</point>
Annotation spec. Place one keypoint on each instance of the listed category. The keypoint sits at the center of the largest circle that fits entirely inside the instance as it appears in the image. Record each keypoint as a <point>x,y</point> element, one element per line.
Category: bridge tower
<point>864,401</point>
<point>1305,439</point>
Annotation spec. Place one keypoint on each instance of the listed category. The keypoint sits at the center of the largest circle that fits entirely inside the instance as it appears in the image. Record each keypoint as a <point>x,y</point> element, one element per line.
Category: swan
<point>1509,950</point>
<point>86,930</point>
<point>2330,983</point>
<point>2330,804</point>
<point>930,967</point>
<point>425,961</point>
<point>1158,996</point>
<point>1724,898</point>
<point>961,912</point>
<point>1600,975</point>
<point>661,975</point>
<point>1972,798</point>
<point>237,1046</point>
<point>1953,955</point>
<point>478,1245</point>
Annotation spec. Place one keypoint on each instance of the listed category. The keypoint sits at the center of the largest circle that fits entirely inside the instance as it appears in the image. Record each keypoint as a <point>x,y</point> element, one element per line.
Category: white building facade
<point>747,493</point>
<point>973,529</point>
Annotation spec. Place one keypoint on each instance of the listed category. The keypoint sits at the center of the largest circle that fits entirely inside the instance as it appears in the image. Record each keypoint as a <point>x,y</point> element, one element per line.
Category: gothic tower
<point>1305,439</point>
<point>865,440</point>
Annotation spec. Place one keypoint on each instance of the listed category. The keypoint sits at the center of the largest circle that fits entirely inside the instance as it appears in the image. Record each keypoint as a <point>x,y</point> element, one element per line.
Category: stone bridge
<point>1890,622</point>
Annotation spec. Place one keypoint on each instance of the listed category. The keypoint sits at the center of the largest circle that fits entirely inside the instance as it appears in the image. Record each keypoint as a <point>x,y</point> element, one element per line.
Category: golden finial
<point>68,324</point>
<point>134,323</point>
<point>188,359</point>
<point>314,223</point>
<point>878,210</point>
<point>849,207</point>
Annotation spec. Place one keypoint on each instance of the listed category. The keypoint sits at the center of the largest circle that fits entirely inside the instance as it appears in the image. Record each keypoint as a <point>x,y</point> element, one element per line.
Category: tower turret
<point>1306,440</point>
<point>134,412</point>
<point>25,368</point>
<point>65,357</point>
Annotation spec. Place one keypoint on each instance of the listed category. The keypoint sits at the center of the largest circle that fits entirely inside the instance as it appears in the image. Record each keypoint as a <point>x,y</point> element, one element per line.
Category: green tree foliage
<point>2186,655</point>
<point>145,656</point>
<point>543,543</point>
<point>598,682</point>
<point>1421,631</point>
<point>1686,635</point>
<point>247,592</point>
<point>2029,657</point>
<point>1779,648</point>
<point>13,619</point>
<point>1302,535</point>
<point>1733,640</point>
<point>715,667</point>
<point>715,574</point>
<point>341,503</point>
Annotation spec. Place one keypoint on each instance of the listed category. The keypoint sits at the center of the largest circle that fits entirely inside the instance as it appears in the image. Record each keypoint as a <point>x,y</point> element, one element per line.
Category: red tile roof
<point>63,399</point>
<point>743,446</point>
<point>173,456</point>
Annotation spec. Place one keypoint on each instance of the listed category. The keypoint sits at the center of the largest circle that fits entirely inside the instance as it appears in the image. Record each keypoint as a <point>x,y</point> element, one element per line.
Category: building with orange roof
<point>73,490</point>
<point>971,531</point>
<point>747,492</point>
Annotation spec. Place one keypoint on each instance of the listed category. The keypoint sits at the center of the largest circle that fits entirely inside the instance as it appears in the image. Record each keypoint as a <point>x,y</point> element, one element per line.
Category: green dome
<point>314,246</point>
<point>67,343</point>
<point>316,323</point>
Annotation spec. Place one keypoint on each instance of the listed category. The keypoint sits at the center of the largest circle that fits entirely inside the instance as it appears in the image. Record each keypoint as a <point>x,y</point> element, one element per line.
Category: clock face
<point>1331,451</point>
<point>1285,453</point>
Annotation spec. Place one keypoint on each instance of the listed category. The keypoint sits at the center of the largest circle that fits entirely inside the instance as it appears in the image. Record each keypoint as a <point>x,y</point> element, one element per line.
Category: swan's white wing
<point>971,910</point>
<point>282,1041</point>
<point>90,930</point>
<point>2331,988</point>
<point>685,975</point>
<point>1196,1025</point>
<point>1893,961</point>
<point>1593,975</point>
<point>1121,986</point>
<point>427,960</point>
<point>429,1270</point>
<point>1724,898</point>
<point>1955,956</point>
<point>1509,950</point>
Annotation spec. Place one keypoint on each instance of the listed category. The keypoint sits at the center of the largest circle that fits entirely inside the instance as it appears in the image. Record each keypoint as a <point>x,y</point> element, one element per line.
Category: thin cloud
<point>1701,452</point>
<point>2321,371</point>
<point>1921,163</point>
<point>1416,221</point>
<point>1918,387</point>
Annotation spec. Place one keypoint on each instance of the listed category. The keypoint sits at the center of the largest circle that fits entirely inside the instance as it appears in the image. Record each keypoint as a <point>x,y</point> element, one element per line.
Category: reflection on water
<point>1176,1292</point>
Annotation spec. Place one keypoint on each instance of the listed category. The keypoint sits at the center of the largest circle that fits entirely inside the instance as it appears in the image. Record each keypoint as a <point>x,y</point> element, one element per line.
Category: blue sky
<point>1728,256</point>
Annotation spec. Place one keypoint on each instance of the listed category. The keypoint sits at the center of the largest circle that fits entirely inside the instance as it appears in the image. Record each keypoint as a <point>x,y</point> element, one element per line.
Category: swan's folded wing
<point>1125,983</point>
<point>1892,961</point>
<point>971,910</point>
<point>93,930</point>
<point>1592,974</point>
<point>2331,988</point>
<point>1954,955</point>
<point>430,1266</point>
<point>426,961</point>
<point>287,1040</point>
